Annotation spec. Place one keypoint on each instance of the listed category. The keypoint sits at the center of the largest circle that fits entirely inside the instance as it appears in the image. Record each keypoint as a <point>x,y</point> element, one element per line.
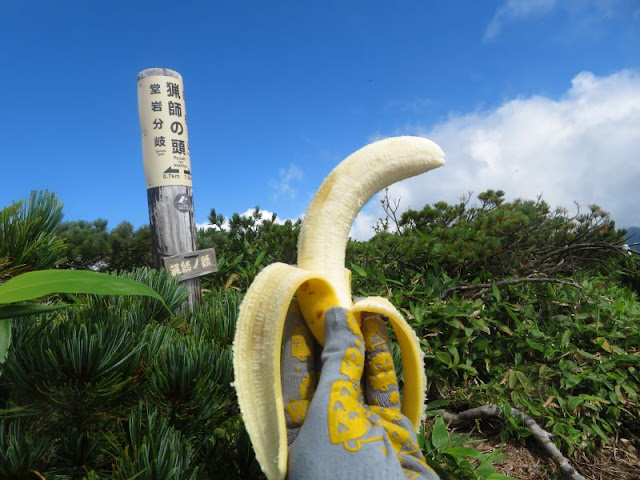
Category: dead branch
<point>569,251</point>
<point>539,434</point>
<point>513,281</point>
<point>390,207</point>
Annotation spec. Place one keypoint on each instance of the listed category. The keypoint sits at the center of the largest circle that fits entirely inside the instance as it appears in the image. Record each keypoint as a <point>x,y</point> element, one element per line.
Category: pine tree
<point>116,387</point>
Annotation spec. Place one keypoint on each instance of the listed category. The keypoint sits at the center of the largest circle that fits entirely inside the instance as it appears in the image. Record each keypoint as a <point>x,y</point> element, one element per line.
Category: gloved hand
<point>335,430</point>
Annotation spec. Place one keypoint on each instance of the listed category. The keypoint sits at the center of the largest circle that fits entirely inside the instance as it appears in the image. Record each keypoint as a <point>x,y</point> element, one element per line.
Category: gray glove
<point>334,430</point>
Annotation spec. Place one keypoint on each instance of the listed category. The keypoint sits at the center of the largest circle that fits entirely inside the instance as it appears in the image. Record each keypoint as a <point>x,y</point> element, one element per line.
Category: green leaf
<point>628,358</point>
<point>572,380</point>
<point>495,456</point>
<point>630,391</point>
<point>31,285</point>
<point>26,309</point>
<point>463,452</point>
<point>5,339</point>
<point>598,430</point>
<point>453,350</point>
<point>505,329</point>
<point>535,345</point>
<point>522,378</point>
<point>480,324</point>
<point>359,270</point>
<point>588,355</point>
<point>510,312</point>
<point>499,476</point>
<point>15,412</point>
<point>439,435</point>
<point>259,258</point>
<point>496,292</point>
<point>574,402</point>
<point>444,357</point>
<point>604,343</point>
<point>435,404</point>
<point>618,394</point>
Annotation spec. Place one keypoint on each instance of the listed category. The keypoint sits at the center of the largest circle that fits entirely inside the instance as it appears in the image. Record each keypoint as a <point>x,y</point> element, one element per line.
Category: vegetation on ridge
<point>515,305</point>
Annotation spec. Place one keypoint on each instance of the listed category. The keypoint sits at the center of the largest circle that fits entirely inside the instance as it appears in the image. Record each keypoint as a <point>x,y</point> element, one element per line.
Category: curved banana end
<point>415,380</point>
<point>325,230</point>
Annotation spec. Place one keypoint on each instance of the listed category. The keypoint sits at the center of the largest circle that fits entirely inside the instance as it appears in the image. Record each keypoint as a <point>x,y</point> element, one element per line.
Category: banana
<point>319,282</point>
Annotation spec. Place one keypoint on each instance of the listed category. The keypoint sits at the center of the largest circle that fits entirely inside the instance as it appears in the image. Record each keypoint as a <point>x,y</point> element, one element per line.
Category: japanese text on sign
<point>192,265</point>
<point>165,144</point>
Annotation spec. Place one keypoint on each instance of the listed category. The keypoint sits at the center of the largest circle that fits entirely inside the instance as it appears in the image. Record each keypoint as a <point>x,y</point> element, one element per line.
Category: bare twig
<point>467,416</point>
<point>390,207</point>
<point>541,436</point>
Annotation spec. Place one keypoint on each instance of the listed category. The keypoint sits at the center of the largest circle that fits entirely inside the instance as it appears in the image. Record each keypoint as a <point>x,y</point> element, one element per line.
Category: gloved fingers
<point>417,468</point>
<point>381,383</point>
<point>399,429</point>
<point>297,369</point>
<point>401,434</point>
<point>343,353</point>
<point>338,406</point>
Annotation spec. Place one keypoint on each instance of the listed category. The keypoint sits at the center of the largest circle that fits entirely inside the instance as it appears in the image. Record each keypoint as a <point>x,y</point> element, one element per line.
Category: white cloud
<point>362,228</point>
<point>264,215</point>
<point>207,225</point>
<point>515,10</point>
<point>583,147</point>
<point>283,186</point>
<point>584,14</point>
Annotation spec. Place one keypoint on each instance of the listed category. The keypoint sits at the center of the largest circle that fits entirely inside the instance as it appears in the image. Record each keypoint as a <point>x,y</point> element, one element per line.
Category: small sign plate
<point>191,265</point>
<point>183,203</point>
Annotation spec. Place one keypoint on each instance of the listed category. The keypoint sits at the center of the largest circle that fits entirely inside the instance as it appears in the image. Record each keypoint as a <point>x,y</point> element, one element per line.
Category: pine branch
<point>539,434</point>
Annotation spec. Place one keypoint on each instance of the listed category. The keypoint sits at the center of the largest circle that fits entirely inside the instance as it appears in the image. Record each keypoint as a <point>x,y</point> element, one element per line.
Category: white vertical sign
<point>165,144</point>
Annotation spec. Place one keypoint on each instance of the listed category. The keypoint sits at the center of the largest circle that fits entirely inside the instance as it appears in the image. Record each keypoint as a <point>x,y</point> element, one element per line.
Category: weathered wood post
<point>167,167</point>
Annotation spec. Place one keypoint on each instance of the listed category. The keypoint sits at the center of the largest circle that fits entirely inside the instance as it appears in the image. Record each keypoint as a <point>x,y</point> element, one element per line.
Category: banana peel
<point>319,282</point>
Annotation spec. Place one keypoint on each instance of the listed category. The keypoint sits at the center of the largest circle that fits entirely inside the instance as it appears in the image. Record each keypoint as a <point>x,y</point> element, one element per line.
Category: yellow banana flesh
<point>320,282</point>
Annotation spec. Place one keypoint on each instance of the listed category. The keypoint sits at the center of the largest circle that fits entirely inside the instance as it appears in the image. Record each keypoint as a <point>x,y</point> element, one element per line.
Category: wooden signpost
<point>167,166</point>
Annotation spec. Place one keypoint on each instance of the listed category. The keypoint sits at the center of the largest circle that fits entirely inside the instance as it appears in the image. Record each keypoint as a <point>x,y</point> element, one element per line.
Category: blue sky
<point>531,96</point>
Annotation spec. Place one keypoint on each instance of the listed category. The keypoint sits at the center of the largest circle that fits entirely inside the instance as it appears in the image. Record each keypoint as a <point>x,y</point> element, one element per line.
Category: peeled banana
<point>319,282</point>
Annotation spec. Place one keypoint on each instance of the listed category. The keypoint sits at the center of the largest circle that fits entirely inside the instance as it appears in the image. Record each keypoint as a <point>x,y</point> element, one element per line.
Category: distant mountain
<point>633,236</point>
